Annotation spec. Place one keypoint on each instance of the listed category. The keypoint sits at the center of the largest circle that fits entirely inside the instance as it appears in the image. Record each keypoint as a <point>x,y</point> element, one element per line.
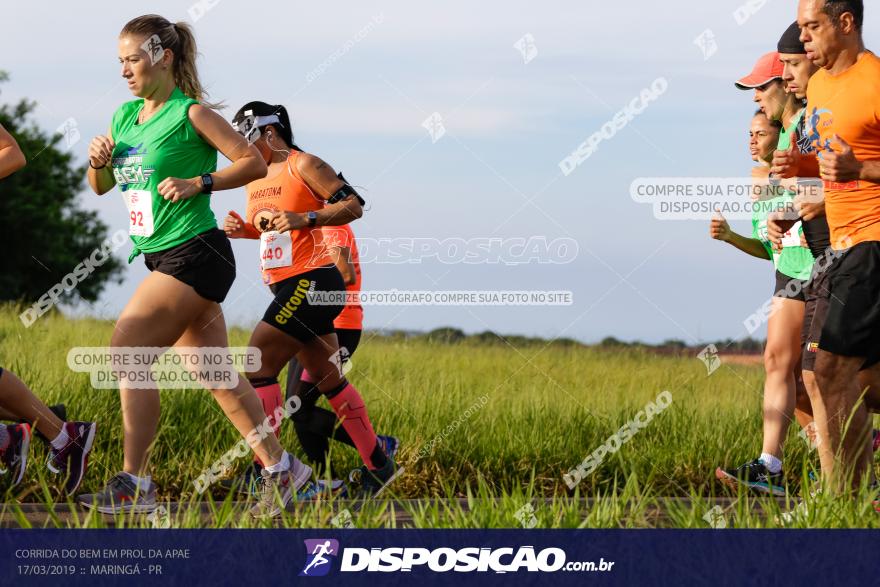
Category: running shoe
<point>248,483</point>
<point>277,490</point>
<point>311,491</point>
<point>372,482</point>
<point>121,495</point>
<point>753,475</point>
<point>334,489</point>
<point>73,459</point>
<point>14,457</point>
<point>389,444</point>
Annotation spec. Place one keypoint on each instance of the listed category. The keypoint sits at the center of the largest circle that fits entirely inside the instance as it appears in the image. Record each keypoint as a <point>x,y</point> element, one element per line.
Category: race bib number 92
<point>140,212</point>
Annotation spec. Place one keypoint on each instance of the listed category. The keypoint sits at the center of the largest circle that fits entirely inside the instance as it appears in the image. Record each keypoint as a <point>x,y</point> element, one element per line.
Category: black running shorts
<point>204,262</point>
<point>817,294</point>
<point>852,328</point>
<point>789,288</point>
<point>292,311</point>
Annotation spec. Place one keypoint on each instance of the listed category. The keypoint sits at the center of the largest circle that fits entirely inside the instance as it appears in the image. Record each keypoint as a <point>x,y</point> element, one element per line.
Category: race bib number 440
<point>140,212</point>
<point>276,250</point>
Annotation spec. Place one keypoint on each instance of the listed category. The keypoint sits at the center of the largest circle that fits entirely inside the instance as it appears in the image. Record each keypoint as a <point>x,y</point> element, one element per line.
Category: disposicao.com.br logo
<point>319,555</point>
<point>442,560</point>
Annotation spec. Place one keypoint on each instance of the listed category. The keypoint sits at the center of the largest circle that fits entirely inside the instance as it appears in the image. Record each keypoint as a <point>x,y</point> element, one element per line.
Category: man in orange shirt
<point>843,111</point>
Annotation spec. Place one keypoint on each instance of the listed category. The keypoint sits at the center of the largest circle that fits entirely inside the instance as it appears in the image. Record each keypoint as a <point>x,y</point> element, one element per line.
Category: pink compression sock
<point>349,407</point>
<point>270,395</point>
<point>306,377</point>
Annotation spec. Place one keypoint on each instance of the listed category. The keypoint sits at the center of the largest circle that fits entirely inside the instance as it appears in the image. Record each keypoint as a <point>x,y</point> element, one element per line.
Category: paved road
<point>39,516</point>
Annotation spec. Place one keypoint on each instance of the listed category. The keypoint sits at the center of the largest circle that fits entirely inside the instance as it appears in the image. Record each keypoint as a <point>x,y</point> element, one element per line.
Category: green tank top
<point>786,134</point>
<point>164,146</point>
<point>795,262</point>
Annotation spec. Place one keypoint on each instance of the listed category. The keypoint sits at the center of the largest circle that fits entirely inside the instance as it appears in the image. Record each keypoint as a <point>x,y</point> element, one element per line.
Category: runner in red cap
<point>767,69</point>
<point>784,392</point>
<point>770,94</point>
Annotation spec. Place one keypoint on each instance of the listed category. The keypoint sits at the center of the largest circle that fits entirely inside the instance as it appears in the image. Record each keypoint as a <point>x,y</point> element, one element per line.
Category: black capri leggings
<point>316,426</point>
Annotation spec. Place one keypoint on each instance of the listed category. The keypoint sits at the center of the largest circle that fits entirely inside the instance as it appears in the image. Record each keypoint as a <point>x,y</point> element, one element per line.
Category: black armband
<point>344,192</point>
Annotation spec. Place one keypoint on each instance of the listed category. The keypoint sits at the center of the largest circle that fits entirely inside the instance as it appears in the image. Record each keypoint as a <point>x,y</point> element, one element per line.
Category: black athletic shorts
<point>204,262</point>
<point>291,311</point>
<point>818,298</point>
<point>789,288</point>
<point>852,328</point>
<point>348,343</point>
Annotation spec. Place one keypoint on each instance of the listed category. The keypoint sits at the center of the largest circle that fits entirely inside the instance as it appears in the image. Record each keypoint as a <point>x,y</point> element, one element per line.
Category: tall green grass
<point>496,422</point>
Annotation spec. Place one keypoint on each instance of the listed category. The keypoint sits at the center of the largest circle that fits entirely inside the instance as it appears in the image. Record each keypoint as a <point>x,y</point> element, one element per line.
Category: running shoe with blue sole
<point>753,475</point>
<point>390,445</point>
<point>371,483</point>
<point>334,489</point>
<point>247,483</point>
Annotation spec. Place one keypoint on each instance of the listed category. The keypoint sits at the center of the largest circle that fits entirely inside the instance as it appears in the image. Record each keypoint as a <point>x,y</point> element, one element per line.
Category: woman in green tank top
<point>784,314</point>
<point>162,153</point>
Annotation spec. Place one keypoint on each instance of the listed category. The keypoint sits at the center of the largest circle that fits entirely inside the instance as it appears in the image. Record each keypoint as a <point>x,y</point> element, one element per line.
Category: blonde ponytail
<point>180,39</point>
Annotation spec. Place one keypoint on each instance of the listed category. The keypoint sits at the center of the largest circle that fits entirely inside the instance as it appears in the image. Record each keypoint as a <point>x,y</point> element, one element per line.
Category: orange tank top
<point>848,105</point>
<point>284,255</point>
<point>352,315</point>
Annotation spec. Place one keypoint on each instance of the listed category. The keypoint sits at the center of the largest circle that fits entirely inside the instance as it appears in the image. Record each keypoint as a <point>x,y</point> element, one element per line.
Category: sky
<point>516,86</point>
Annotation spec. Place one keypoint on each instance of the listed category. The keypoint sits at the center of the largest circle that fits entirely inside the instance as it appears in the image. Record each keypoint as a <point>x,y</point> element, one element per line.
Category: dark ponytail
<point>283,127</point>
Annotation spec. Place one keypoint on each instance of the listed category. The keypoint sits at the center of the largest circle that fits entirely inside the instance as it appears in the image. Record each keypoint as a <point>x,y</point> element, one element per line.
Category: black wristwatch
<point>207,184</point>
<point>313,217</point>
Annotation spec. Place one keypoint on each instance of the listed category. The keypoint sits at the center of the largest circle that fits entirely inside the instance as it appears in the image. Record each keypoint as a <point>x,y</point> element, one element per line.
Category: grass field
<point>497,424</point>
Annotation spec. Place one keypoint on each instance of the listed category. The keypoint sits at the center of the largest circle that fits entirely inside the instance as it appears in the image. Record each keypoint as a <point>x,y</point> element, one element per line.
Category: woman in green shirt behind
<point>162,153</point>
<point>783,386</point>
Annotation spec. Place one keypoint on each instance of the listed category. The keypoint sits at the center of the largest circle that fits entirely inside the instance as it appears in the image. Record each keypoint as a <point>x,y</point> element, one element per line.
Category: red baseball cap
<point>767,69</point>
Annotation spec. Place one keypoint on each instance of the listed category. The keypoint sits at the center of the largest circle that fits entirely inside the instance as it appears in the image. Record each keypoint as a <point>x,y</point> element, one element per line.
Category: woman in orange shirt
<point>315,426</point>
<point>286,211</point>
